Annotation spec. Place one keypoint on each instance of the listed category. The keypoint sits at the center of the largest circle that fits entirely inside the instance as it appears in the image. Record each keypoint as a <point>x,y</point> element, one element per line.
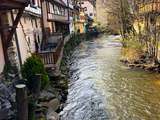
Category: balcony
<point>13,4</point>
<point>53,50</point>
<point>54,17</point>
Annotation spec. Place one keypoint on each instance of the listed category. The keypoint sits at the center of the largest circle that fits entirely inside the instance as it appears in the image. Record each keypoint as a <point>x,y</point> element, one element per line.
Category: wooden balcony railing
<point>51,57</point>
<point>54,17</point>
<point>48,58</point>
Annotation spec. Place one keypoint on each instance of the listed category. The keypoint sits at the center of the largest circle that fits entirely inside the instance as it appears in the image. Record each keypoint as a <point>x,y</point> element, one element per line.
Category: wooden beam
<point>4,35</point>
<point>8,5</point>
<point>15,23</point>
<point>8,32</point>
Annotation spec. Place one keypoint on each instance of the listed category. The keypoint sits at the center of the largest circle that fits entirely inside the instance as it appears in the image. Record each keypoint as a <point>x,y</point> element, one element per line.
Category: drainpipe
<point>68,9</point>
<point>68,15</point>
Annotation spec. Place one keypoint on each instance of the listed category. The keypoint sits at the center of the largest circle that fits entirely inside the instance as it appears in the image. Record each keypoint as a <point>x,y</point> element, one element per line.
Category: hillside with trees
<point>138,23</point>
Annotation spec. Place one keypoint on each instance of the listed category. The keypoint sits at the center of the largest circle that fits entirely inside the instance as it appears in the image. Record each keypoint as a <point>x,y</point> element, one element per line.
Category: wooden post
<point>15,23</point>
<point>22,102</point>
<point>36,85</point>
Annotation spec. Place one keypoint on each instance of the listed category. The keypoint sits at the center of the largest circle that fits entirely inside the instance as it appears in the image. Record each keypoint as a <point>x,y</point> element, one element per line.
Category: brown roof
<point>13,4</point>
<point>60,2</point>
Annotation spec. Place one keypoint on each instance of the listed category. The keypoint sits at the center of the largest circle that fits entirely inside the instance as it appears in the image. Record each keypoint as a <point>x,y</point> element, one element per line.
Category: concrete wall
<point>2,61</point>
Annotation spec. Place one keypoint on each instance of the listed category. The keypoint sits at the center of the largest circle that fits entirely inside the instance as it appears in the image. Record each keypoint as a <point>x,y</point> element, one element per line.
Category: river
<point>102,88</point>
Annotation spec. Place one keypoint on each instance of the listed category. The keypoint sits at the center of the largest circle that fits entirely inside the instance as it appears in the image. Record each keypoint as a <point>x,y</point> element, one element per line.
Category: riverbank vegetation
<point>69,48</point>
<point>48,98</point>
<point>138,23</point>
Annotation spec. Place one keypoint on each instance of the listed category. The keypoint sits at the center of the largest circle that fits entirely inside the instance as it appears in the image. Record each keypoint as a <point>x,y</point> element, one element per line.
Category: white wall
<point>36,9</point>
<point>71,25</point>
<point>90,9</point>
<point>27,35</point>
<point>2,61</point>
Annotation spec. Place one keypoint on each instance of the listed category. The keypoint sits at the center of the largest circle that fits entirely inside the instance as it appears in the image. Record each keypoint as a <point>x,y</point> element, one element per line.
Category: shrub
<point>30,68</point>
<point>45,81</point>
<point>133,49</point>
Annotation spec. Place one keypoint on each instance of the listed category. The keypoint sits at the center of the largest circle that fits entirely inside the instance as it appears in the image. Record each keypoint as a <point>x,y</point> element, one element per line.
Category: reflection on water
<point>102,88</point>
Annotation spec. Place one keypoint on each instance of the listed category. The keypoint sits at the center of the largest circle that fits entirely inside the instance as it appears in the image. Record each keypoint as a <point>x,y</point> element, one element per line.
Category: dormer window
<point>82,2</point>
<point>39,3</point>
<point>33,3</point>
<point>85,9</point>
<point>91,14</point>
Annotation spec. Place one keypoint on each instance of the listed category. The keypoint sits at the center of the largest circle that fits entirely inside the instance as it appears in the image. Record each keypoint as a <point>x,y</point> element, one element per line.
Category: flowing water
<point>102,88</point>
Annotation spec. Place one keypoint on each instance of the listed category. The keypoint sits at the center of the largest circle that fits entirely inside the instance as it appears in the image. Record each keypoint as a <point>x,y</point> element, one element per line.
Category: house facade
<point>29,30</point>
<point>9,22</point>
<point>41,27</point>
<point>27,33</point>
<point>79,18</point>
<point>89,8</point>
<point>56,19</point>
<point>48,16</point>
<point>71,15</point>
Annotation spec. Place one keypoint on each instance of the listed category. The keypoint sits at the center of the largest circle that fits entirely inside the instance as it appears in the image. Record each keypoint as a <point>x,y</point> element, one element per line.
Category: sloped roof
<point>93,2</point>
<point>60,2</point>
<point>13,4</point>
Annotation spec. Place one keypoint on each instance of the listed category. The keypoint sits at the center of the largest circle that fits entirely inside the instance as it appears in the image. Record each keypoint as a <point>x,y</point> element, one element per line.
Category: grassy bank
<point>135,55</point>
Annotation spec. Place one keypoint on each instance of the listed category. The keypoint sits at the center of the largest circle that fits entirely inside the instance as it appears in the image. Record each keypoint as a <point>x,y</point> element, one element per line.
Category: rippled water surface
<point>101,88</point>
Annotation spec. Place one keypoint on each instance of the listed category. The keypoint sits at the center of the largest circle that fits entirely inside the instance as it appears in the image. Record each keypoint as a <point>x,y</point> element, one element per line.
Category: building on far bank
<point>41,27</point>
<point>80,20</point>
<point>86,15</point>
<point>89,8</point>
<point>71,16</point>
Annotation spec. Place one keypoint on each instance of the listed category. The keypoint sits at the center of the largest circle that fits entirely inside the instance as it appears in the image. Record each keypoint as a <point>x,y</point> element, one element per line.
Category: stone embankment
<point>51,100</point>
<point>142,63</point>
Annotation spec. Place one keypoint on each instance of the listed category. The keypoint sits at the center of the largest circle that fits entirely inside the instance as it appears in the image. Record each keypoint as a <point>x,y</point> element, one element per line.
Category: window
<point>39,3</point>
<point>36,23</point>
<point>50,8</point>
<point>31,22</point>
<point>33,2</point>
<point>25,20</point>
<point>70,13</point>
<point>85,9</point>
<point>55,10</point>
<point>60,10</point>
<point>91,14</point>
<point>63,11</point>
